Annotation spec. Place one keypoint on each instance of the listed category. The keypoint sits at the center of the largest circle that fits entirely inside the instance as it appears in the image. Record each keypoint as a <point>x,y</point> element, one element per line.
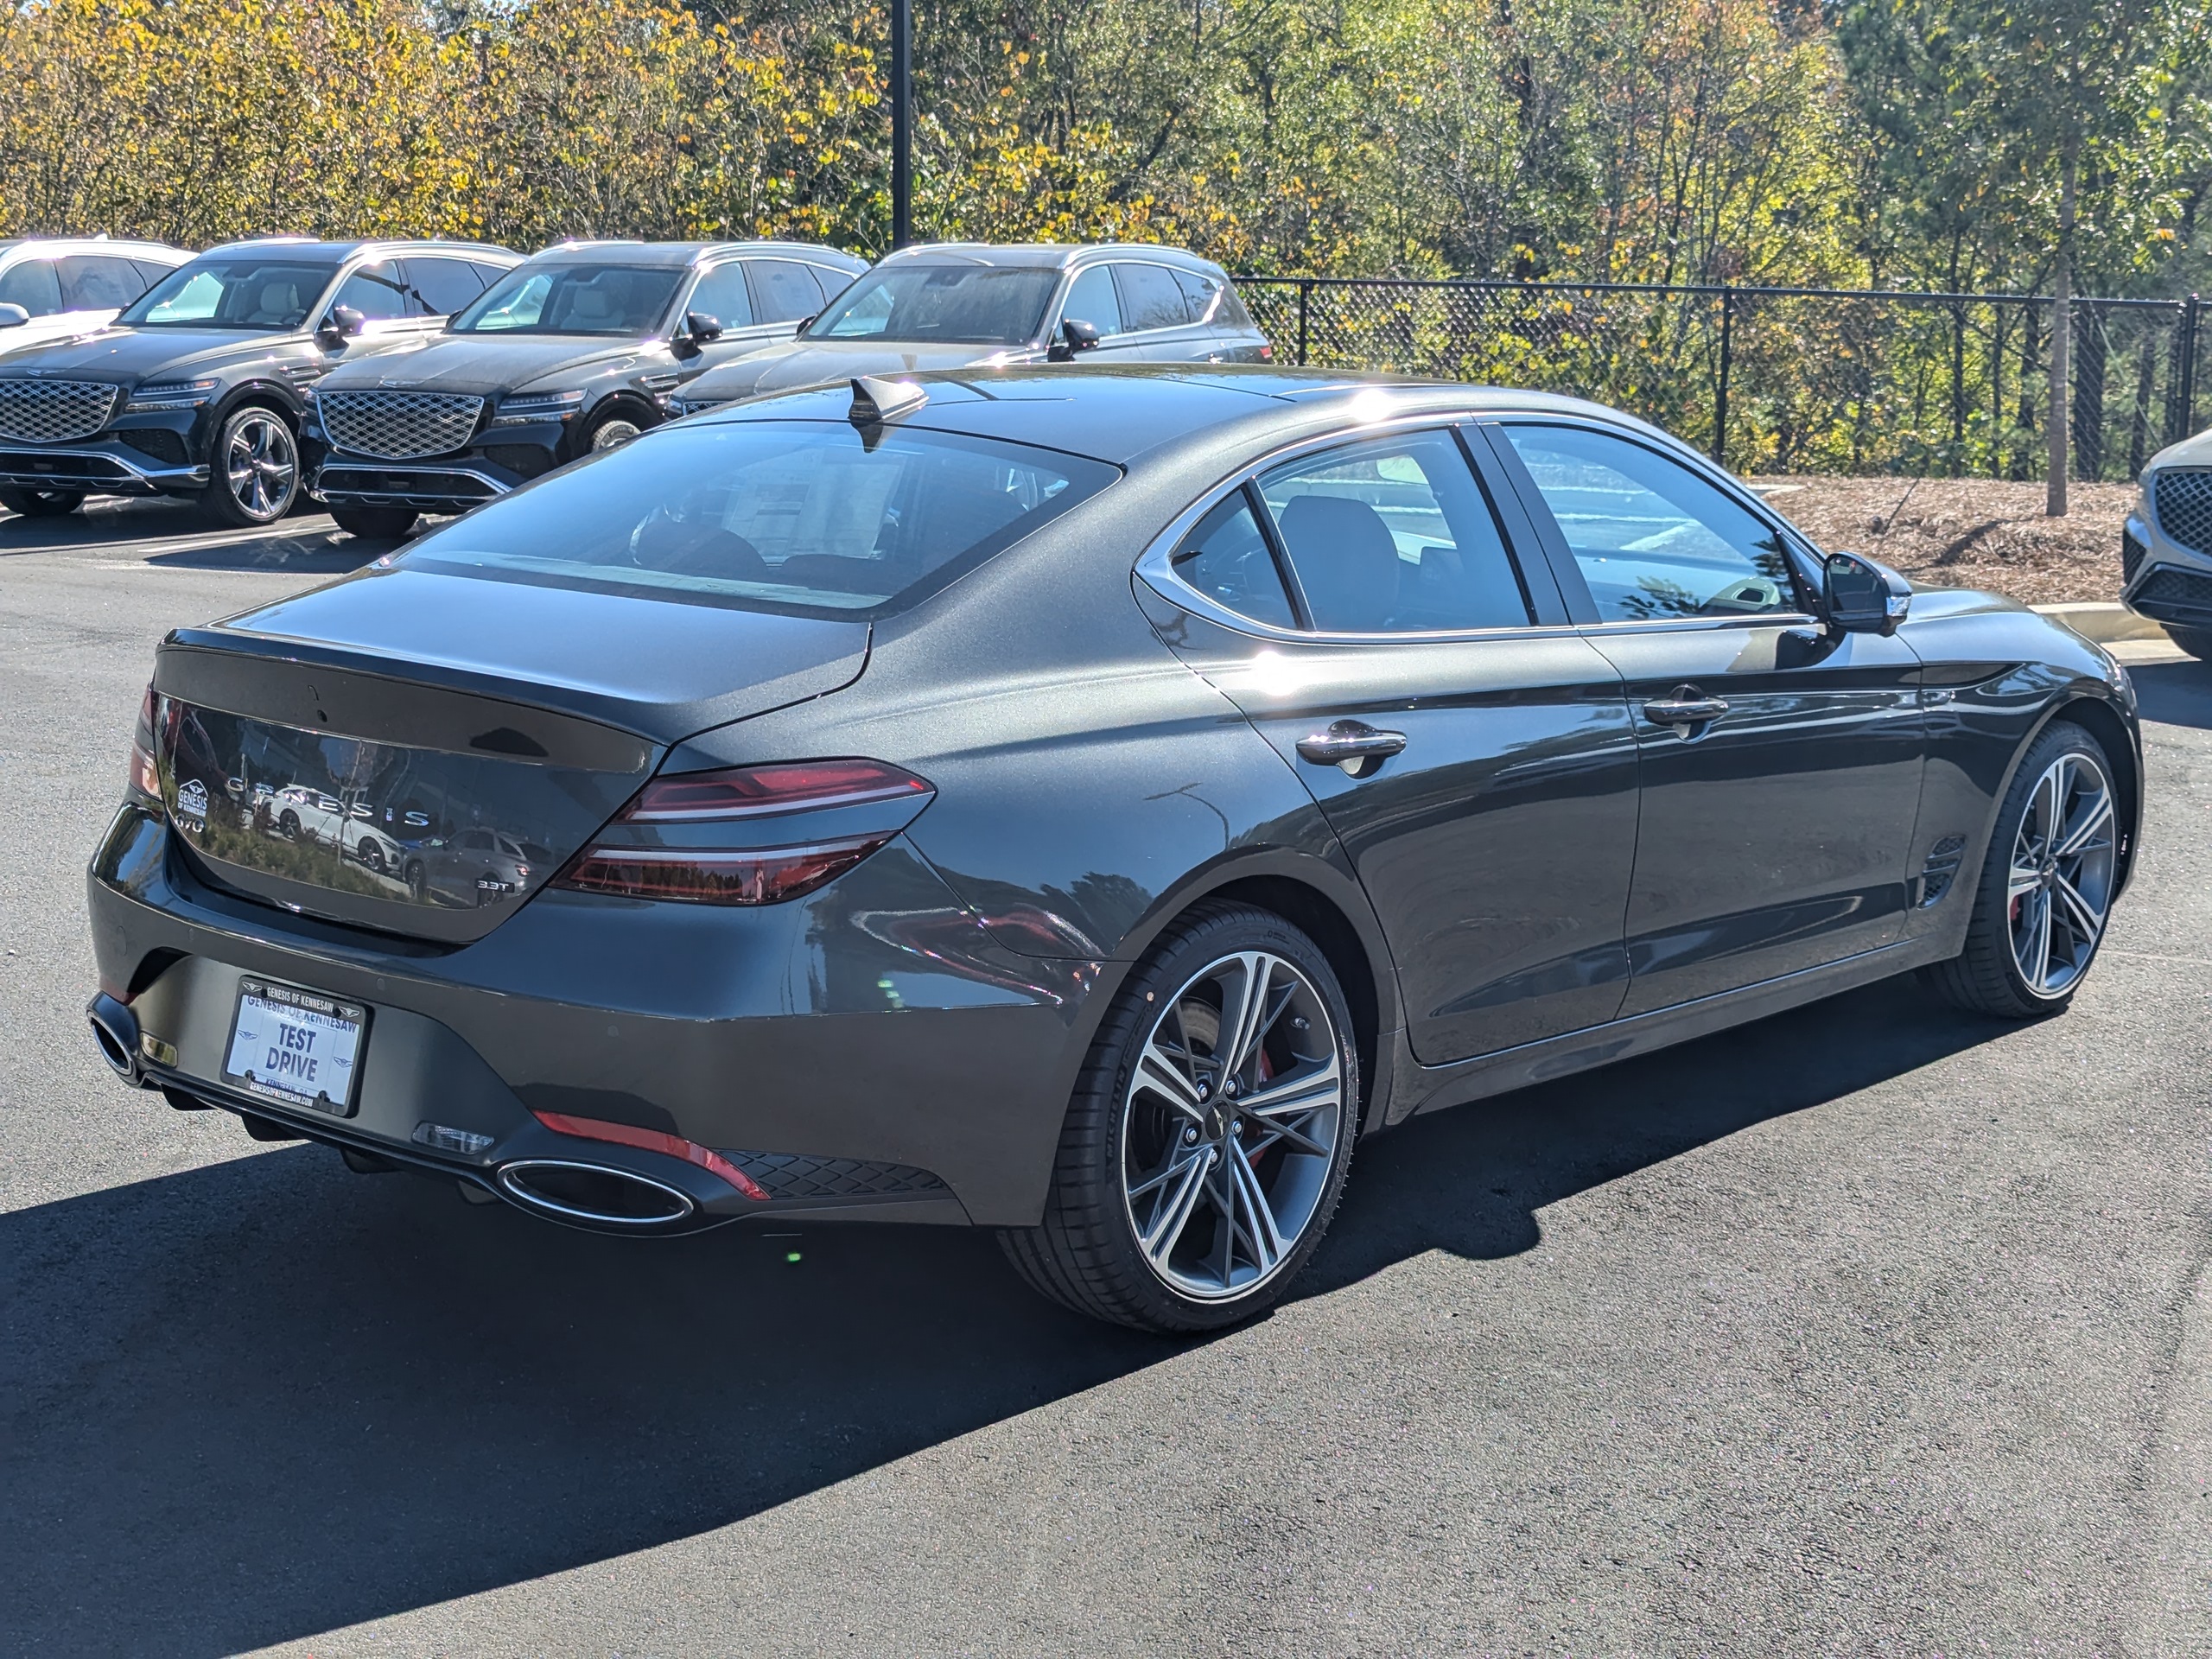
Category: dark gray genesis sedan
<point>1081,806</point>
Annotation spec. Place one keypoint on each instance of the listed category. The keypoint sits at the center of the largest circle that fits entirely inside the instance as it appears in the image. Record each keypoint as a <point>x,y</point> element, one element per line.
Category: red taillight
<point>629,1134</point>
<point>1267,353</point>
<point>757,791</point>
<point>764,876</point>
<point>145,777</point>
<point>740,797</point>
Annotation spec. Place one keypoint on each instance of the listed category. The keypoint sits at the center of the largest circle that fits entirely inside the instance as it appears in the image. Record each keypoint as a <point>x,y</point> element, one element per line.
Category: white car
<point>297,813</point>
<point>2165,549</point>
<point>57,288</point>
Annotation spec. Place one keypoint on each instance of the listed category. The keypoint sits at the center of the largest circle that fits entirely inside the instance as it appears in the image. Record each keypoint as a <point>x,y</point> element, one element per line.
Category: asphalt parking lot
<point>1868,1329</point>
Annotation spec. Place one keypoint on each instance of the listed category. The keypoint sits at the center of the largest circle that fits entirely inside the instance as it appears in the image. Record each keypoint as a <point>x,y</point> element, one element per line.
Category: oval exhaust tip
<point>594,1195</point>
<point>117,1043</point>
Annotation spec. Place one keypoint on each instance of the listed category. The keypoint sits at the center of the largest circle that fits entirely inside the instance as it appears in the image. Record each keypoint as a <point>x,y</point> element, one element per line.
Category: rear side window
<point>721,294</point>
<point>32,284</point>
<point>1226,558</point>
<point>1150,298</point>
<point>94,281</point>
<point>379,292</point>
<point>784,290</point>
<point>443,286</point>
<point>813,516</point>
<point>1092,300</point>
<point>1393,536</point>
<point>1200,295</point>
<point>1652,539</point>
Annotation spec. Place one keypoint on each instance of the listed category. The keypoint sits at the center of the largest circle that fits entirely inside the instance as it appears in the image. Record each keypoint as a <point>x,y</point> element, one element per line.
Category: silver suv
<point>54,288</point>
<point>2166,548</point>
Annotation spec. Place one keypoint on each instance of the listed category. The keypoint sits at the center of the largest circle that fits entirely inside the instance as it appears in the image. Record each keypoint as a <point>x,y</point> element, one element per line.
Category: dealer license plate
<point>296,1047</point>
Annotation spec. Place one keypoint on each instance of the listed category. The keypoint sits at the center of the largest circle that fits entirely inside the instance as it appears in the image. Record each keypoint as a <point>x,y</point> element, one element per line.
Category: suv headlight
<point>169,394</point>
<point>529,408</point>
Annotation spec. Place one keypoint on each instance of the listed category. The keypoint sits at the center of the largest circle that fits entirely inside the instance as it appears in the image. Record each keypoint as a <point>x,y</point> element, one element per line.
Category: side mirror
<point>13,316</point>
<point>1863,596</point>
<point>1075,335</point>
<point>805,323</point>
<point>343,322</point>
<point>698,330</point>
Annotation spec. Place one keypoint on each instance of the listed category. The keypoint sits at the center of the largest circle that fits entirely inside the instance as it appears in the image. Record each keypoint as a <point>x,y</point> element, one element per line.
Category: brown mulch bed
<point>1967,533</point>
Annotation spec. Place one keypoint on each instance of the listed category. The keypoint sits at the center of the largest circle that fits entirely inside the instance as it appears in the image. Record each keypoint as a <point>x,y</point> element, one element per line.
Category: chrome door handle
<point>1350,744</point>
<point>1682,710</point>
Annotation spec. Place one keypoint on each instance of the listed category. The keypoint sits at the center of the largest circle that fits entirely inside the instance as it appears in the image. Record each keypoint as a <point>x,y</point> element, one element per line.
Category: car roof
<point>1050,255</point>
<point>307,247</point>
<point>681,255</point>
<point>92,245</point>
<point>1120,413</point>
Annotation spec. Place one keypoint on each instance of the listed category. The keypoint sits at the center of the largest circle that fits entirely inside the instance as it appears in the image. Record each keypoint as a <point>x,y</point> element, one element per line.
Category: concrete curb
<point>2104,621</point>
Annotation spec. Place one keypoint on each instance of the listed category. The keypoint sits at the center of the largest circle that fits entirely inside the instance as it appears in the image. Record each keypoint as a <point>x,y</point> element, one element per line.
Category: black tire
<point>612,428</point>
<point>2197,642</point>
<point>41,504</point>
<point>1086,1254</point>
<point>379,524</point>
<point>254,470</point>
<point>288,825</point>
<point>1988,976</point>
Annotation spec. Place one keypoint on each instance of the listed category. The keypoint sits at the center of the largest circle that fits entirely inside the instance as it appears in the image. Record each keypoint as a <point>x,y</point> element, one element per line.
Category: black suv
<point>198,387</point>
<point>576,350</point>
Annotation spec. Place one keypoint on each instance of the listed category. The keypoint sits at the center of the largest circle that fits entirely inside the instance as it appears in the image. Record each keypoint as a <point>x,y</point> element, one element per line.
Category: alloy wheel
<point>609,434</point>
<point>2058,891</point>
<point>262,466</point>
<point>1230,1124</point>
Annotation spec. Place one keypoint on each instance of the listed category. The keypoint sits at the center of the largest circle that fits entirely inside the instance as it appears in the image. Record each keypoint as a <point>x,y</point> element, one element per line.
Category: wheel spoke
<point>2036,964</point>
<point>1162,1072</point>
<point>2045,810</point>
<point>2021,882</point>
<point>2088,825</point>
<point>1179,1157</point>
<point>1253,1217</point>
<point>1243,1012</point>
<point>2083,920</point>
<point>1169,1217</point>
<point>1299,1093</point>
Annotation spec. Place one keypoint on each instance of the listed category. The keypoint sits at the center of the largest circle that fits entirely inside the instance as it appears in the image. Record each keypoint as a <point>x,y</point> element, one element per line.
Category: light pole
<point>902,123</point>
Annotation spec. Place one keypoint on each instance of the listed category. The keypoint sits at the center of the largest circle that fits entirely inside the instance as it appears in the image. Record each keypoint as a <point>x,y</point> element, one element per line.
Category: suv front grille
<point>2184,501</point>
<point>54,411</point>
<point>398,425</point>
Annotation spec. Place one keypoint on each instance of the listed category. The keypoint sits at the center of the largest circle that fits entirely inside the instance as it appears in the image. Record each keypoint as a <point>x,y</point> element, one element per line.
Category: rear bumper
<point>866,1053</point>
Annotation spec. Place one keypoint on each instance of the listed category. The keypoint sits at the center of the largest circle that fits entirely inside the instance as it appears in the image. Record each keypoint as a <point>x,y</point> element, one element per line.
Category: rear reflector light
<point>757,791</point>
<point>145,777</point>
<point>628,1135</point>
<point>748,876</point>
<point>765,876</point>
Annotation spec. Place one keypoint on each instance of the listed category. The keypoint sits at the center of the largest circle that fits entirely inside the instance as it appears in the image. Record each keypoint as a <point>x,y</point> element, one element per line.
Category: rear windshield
<point>813,516</point>
<point>954,305</point>
<point>271,294</point>
<point>573,300</point>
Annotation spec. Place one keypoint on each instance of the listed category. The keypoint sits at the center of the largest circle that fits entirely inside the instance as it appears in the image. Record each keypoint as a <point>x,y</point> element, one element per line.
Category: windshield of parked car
<point>568,299</point>
<point>236,291</point>
<point>815,516</point>
<point>950,305</point>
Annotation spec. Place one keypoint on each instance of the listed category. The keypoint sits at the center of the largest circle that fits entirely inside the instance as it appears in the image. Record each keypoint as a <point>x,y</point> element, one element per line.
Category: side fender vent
<point>1935,876</point>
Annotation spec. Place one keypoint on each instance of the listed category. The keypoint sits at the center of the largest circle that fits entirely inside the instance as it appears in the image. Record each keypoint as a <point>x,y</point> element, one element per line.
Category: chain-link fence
<point>1784,379</point>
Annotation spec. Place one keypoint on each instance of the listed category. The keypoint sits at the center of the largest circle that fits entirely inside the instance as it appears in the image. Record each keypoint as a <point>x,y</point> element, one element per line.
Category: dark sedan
<point>578,349</point>
<point>1077,805</point>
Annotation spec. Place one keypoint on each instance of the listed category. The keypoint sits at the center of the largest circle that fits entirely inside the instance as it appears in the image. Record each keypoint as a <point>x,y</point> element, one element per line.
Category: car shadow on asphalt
<point>172,535</point>
<point>265,1398</point>
<point>2174,693</point>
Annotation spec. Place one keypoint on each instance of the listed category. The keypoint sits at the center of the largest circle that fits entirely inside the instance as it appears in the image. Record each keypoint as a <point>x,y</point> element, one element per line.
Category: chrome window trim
<point>1076,272</point>
<point>1155,565</point>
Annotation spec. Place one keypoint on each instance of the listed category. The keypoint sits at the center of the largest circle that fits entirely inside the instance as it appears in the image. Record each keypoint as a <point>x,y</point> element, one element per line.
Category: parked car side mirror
<point>1864,596</point>
<point>1075,335</point>
<point>13,316</point>
<point>699,329</point>
<point>343,322</point>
